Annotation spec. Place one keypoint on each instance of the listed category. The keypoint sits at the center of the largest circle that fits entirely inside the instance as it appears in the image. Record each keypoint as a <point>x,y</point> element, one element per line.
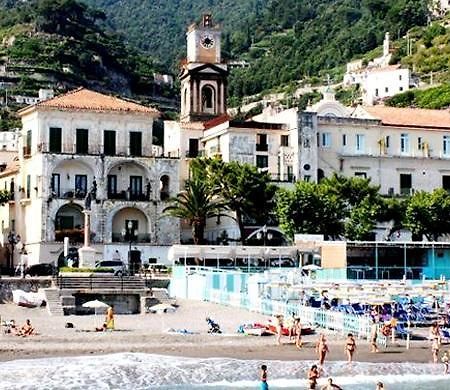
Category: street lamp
<point>13,239</point>
<point>264,234</point>
<point>129,233</point>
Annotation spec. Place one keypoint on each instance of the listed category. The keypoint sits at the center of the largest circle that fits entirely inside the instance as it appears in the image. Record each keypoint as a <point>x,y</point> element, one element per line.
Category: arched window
<point>185,100</point>
<point>164,187</point>
<point>208,99</point>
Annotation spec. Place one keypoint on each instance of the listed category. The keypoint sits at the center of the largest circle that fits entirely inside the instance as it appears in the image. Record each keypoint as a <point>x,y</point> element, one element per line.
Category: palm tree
<point>196,204</point>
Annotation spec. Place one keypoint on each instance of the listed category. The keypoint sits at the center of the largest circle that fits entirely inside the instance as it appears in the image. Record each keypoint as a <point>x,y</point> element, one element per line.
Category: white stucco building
<point>83,142</point>
<point>378,80</point>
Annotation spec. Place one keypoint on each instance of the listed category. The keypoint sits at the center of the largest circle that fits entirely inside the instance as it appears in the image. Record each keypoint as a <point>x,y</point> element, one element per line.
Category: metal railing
<point>340,322</point>
<point>138,238</point>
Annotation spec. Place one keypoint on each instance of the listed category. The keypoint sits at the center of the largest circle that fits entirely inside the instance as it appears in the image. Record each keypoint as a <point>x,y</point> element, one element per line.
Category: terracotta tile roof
<point>410,117</point>
<point>11,168</point>
<point>85,99</point>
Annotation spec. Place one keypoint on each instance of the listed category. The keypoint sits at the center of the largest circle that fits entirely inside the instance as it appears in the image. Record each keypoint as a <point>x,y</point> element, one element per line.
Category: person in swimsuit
<point>313,375</point>
<point>445,359</point>
<point>279,328</point>
<point>380,386</point>
<point>373,337</point>
<point>110,317</point>
<point>435,336</point>
<point>263,378</point>
<point>330,385</point>
<point>322,349</point>
<point>350,347</point>
<point>298,333</point>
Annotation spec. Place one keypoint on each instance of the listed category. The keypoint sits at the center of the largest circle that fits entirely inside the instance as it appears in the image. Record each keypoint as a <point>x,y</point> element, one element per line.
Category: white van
<point>119,268</point>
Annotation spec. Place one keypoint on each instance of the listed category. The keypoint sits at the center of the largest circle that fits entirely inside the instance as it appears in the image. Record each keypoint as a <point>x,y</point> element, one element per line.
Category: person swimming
<point>313,375</point>
<point>263,378</point>
<point>330,385</point>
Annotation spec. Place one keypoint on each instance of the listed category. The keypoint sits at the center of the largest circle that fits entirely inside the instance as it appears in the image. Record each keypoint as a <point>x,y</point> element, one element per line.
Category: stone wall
<point>9,284</point>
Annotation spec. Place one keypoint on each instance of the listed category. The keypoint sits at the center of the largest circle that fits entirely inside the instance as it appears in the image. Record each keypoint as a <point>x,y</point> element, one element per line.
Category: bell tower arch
<point>203,75</point>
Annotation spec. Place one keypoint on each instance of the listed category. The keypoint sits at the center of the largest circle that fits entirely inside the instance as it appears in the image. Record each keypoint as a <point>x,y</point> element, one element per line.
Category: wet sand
<point>147,334</point>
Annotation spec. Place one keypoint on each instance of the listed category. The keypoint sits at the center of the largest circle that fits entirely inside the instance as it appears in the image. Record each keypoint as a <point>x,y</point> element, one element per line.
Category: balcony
<point>69,193</point>
<point>125,195</point>
<point>283,178</point>
<point>262,147</point>
<point>26,151</point>
<point>138,238</point>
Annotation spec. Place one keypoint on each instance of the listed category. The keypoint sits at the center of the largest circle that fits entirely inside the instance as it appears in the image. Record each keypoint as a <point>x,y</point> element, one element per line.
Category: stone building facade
<point>85,143</point>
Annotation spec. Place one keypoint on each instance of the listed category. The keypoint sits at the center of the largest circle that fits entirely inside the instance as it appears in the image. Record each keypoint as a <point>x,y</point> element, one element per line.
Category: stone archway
<point>118,220</point>
<point>69,222</point>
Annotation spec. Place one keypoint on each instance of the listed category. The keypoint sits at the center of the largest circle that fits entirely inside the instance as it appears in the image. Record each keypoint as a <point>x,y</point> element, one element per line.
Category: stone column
<point>86,253</point>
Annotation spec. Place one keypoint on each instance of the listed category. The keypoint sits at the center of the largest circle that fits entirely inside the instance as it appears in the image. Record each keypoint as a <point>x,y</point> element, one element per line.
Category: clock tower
<point>203,75</point>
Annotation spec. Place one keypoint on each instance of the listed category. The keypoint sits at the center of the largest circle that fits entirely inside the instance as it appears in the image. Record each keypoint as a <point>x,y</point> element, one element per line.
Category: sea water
<point>138,371</point>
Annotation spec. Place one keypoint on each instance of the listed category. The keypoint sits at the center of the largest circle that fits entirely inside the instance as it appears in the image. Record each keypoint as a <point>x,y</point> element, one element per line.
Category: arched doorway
<point>69,222</point>
<point>132,224</point>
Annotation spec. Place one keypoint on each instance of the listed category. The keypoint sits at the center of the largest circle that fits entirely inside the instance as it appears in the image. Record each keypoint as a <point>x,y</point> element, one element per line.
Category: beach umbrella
<point>311,267</point>
<point>162,308</point>
<point>96,305</point>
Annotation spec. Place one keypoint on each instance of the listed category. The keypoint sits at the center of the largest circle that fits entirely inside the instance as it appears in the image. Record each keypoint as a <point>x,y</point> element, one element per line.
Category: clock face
<point>207,41</point>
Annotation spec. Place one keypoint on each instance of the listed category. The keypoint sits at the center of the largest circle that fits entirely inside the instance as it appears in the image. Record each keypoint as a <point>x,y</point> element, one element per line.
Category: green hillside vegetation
<point>434,98</point>
<point>283,40</point>
<point>62,42</point>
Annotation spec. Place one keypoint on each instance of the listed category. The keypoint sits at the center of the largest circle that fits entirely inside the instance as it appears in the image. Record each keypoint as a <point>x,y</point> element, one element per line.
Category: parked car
<point>119,268</point>
<point>44,269</point>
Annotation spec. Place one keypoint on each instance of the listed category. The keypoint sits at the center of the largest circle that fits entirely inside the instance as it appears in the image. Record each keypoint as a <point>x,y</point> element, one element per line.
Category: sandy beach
<point>147,333</point>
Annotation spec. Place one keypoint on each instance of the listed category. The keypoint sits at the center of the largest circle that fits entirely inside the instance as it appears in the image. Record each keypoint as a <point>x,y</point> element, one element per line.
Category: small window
<point>387,141</point>
<point>164,187</point>
<point>326,140</point>
<point>400,77</point>
<point>82,141</point>
<point>307,178</point>
<point>360,143</point>
<point>262,161</point>
<point>193,147</point>
<point>446,182</point>
<point>109,142</point>
<point>284,140</point>
<point>55,140</point>
<point>261,143</point>
<point>344,139</point>
<point>361,174</point>
<point>28,189</point>
<point>446,145</point>
<point>400,89</point>
<point>386,90</point>
<point>419,143</point>
<point>135,143</point>
<point>405,183</point>
<point>376,92</point>
<point>404,143</point>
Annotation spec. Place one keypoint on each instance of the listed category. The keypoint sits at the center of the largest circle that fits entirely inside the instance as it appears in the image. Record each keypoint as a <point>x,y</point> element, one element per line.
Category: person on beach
<point>445,359</point>
<point>435,336</point>
<point>26,330</point>
<point>313,375</point>
<point>322,349</point>
<point>110,317</point>
<point>263,378</point>
<point>380,386</point>
<point>279,328</point>
<point>350,347</point>
<point>330,385</point>
<point>373,338</point>
<point>298,333</point>
<point>290,323</point>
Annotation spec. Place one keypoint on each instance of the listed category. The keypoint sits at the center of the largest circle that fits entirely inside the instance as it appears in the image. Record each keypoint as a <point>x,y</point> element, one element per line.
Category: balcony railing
<point>262,147</point>
<point>286,178</point>
<point>138,238</point>
<point>69,193</point>
<point>125,195</point>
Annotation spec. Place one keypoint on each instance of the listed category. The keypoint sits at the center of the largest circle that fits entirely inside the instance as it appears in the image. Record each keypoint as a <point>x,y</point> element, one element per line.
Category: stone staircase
<point>53,300</point>
<point>104,283</point>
